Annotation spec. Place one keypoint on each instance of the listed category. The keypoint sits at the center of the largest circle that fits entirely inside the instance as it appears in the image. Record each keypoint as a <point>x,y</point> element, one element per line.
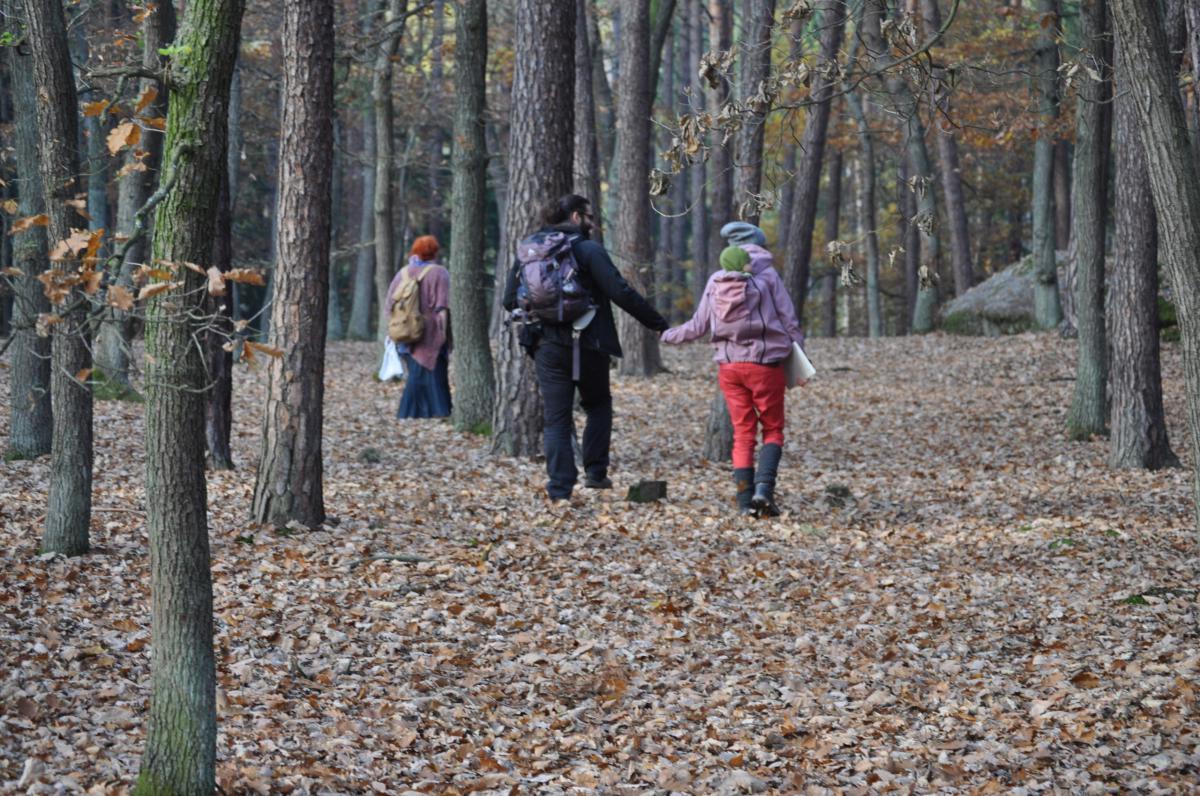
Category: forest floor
<point>956,600</point>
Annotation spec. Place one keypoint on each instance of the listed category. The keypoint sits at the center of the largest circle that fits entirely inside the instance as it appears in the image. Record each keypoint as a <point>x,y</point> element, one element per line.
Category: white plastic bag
<point>393,366</point>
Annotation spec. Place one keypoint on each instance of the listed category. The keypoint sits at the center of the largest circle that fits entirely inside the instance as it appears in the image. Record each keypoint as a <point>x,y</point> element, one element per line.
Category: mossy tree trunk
<point>289,487</point>
<point>475,387</point>
<point>70,506</point>
<point>1047,309</point>
<point>180,756</point>
<point>30,420</point>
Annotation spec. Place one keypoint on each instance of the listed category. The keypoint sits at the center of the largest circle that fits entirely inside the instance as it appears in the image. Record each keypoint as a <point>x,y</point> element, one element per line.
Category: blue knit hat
<point>739,232</point>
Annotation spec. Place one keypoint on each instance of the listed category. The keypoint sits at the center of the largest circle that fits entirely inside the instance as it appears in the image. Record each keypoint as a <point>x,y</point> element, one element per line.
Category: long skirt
<point>426,392</point>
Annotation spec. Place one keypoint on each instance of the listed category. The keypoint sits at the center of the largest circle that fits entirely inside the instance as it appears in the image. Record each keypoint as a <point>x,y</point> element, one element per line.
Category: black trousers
<point>558,399</point>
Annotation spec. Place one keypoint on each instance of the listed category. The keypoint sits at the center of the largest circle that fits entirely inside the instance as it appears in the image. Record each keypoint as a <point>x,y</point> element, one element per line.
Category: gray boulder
<point>1001,304</point>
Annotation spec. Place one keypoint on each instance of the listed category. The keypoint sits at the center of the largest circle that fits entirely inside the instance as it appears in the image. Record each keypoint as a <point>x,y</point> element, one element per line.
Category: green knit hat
<point>734,258</point>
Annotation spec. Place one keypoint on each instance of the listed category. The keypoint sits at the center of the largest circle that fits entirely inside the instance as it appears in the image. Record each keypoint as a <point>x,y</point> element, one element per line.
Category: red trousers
<point>754,395</point>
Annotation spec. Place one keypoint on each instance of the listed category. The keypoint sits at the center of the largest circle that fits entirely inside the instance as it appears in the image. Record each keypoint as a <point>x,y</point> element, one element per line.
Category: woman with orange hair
<point>427,361</point>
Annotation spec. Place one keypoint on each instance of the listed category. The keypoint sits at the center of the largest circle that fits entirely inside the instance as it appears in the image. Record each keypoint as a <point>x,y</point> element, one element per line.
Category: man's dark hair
<point>561,208</point>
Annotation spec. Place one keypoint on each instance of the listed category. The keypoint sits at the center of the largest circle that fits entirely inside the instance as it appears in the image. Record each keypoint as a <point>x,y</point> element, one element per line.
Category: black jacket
<point>606,284</point>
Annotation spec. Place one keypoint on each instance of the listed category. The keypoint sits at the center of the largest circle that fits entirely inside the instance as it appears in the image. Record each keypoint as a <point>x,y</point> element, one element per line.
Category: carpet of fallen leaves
<point>956,600</point>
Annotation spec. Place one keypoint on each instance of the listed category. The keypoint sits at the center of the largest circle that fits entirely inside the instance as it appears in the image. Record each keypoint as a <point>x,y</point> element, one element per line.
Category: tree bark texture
<point>359,327</point>
<point>812,151</point>
<point>606,110</point>
<point>866,213</point>
<point>587,146</point>
<point>1047,310</point>
<point>289,487</point>
<point>70,502</point>
<point>698,173</point>
<point>381,97</point>
<point>1062,195</point>
<point>113,345</point>
<point>951,169</point>
<point>435,218</point>
<point>720,14</point>
<point>787,196</point>
<point>1139,431</point>
<point>30,420</point>
<point>1174,182</point>
<point>758,19</point>
<point>474,381</point>
<point>1088,414</point>
<point>833,219</point>
<point>540,159</point>
<point>634,248</point>
<point>911,238</point>
<point>218,426</point>
<point>920,172</point>
<point>180,755</point>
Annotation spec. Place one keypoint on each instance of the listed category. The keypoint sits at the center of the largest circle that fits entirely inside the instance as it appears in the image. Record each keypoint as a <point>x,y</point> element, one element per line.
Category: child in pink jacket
<point>752,322</point>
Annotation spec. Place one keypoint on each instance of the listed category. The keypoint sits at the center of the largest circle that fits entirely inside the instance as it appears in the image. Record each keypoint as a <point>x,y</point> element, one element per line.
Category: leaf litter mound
<point>956,600</point>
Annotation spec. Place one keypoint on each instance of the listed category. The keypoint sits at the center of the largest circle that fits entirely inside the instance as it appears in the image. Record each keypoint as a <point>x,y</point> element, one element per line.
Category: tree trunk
<point>113,346</point>
<point>1062,195</point>
<point>70,502</point>
<point>1089,408</point>
<point>1047,310</point>
<point>30,420</point>
<point>920,172</point>
<point>1174,182</point>
<point>364,267</point>
<point>910,238</point>
<point>796,36</point>
<point>663,288</point>
<point>1139,430</point>
<point>606,111</point>
<point>634,250</point>
<point>866,213</point>
<point>180,756</point>
<point>475,388</point>
<point>333,326</point>
<point>720,14</point>
<point>951,170</point>
<point>758,19</point>
<point>540,150</point>
<point>587,148</point>
<point>833,218</point>
<point>812,148</point>
<point>219,407</point>
<point>435,211</point>
<point>698,173</point>
<point>289,487</point>
<point>381,97</point>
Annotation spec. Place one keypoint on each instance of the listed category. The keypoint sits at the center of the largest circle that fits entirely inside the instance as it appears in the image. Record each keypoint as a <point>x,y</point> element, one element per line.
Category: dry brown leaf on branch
<point>13,272</point>
<point>90,280</point>
<point>216,282</point>
<point>147,96</point>
<point>57,284</point>
<point>246,276</point>
<point>79,241</point>
<point>123,135</point>
<point>29,222</point>
<point>270,351</point>
<point>149,291</point>
<point>10,206</point>
<point>96,108</point>
<point>120,298</point>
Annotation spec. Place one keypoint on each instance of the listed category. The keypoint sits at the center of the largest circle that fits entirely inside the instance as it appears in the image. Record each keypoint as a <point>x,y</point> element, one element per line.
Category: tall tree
<point>1174,181</point>
<point>758,20</point>
<point>634,248</point>
<point>587,146</point>
<point>812,148</point>
<point>392,23</point>
<point>833,218</point>
<point>866,202</point>
<point>435,221</point>
<point>30,421</point>
<point>698,173</point>
<point>290,479</point>
<point>540,157</point>
<point>920,172</point>
<point>138,178</point>
<point>720,14</point>
<point>951,168</point>
<point>359,327</point>
<point>1089,407</point>
<point>70,509</point>
<point>1047,309</point>
<point>475,392</point>
<point>1139,429</point>
<point>180,755</point>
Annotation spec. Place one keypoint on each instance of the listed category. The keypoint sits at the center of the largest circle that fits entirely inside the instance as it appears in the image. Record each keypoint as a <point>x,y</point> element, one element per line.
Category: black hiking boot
<point>603,482</point>
<point>743,478</point>
<point>763,500</point>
